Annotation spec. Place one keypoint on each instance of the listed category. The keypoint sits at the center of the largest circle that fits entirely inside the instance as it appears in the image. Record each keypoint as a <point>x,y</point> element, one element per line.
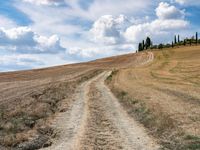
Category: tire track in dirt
<point>100,132</point>
<point>109,126</point>
<point>69,124</point>
<point>96,120</point>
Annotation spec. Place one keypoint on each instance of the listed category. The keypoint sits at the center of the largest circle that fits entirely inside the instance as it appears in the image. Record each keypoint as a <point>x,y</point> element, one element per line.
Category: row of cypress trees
<point>148,44</point>
<point>145,44</point>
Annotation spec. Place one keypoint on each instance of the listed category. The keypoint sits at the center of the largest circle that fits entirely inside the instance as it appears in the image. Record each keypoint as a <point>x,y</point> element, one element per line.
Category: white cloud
<point>159,30</point>
<point>45,2</point>
<point>100,51</point>
<point>116,7</point>
<point>108,29</point>
<point>56,22</point>
<point>188,2</point>
<point>6,22</point>
<point>19,61</point>
<point>11,62</point>
<point>166,11</point>
<point>170,21</point>
<point>110,34</point>
<point>115,35</point>
<point>24,40</point>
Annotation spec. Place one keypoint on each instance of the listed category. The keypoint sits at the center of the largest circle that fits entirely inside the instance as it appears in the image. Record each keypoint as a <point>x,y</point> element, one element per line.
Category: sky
<point>43,33</point>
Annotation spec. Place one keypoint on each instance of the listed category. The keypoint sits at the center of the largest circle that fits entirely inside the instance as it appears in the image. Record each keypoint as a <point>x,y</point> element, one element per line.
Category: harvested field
<point>164,95</point>
<point>156,104</point>
<point>30,100</point>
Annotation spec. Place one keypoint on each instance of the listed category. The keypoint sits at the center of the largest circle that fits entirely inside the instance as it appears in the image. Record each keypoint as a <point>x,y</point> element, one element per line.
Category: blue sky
<point>42,33</point>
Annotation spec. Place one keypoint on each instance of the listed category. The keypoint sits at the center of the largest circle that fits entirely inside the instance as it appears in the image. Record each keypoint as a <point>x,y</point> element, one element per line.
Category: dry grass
<point>29,100</point>
<point>22,117</point>
<point>165,96</point>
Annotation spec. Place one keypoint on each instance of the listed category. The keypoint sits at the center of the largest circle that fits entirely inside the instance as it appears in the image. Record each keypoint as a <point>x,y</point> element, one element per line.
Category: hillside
<point>70,107</point>
<point>165,95</point>
<point>30,99</point>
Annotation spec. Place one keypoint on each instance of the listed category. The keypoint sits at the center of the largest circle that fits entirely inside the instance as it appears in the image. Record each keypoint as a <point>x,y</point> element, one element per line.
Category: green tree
<point>143,45</point>
<point>148,42</point>
<point>172,44</point>
<point>178,39</point>
<point>175,41</point>
<point>196,37</point>
<point>140,47</point>
<point>184,42</point>
<point>160,46</point>
<point>190,42</point>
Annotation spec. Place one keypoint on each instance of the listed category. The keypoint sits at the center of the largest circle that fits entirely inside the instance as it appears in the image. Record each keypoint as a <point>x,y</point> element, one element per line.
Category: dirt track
<point>97,121</point>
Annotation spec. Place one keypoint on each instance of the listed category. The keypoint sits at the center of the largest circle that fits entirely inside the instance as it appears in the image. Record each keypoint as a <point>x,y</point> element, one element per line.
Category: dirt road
<point>96,120</point>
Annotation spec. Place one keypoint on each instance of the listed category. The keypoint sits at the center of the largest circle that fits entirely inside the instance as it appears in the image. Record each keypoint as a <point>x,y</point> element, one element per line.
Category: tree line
<point>148,44</point>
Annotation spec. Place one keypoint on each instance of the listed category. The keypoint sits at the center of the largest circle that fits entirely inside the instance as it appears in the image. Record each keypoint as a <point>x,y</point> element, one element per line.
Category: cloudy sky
<point>42,33</point>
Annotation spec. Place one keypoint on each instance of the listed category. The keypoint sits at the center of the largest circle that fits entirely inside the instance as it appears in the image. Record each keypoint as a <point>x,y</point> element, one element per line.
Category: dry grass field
<point>160,89</point>
<point>29,100</point>
<point>164,96</point>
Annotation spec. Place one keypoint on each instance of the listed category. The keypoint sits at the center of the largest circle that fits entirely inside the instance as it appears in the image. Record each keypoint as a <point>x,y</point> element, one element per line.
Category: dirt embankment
<point>164,96</point>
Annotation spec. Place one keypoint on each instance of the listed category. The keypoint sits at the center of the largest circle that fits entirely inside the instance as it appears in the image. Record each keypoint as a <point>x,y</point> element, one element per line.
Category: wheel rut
<point>100,132</point>
<point>97,121</point>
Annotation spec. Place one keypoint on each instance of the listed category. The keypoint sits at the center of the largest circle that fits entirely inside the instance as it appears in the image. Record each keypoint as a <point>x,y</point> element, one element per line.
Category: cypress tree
<point>196,37</point>
<point>148,43</point>
<point>143,45</point>
<point>178,39</point>
<point>172,44</point>
<point>175,39</point>
<point>140,47</point>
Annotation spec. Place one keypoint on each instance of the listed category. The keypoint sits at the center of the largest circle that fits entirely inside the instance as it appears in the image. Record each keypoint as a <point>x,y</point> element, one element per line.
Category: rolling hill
<point>156,103</point>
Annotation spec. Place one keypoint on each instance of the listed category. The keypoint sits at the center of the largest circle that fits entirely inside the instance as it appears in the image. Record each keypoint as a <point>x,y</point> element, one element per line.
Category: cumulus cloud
<point>24,40</point>
<point>108,29</point>
<point>167,11</point>
<point>45,2</point>
<point>170,20</point>
<point>157,29</point>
